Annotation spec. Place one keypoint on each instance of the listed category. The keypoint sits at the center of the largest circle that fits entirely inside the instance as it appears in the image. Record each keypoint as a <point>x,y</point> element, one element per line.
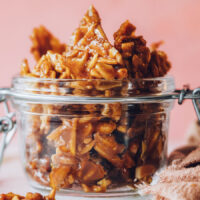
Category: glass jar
<point>92,137</point>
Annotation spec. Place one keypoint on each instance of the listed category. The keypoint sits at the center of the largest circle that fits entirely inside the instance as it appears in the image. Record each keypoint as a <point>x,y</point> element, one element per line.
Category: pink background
<point>177,22</point>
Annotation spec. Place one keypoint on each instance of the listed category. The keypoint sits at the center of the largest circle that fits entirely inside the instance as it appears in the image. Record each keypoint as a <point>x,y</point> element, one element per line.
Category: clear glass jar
<point>92,137</point>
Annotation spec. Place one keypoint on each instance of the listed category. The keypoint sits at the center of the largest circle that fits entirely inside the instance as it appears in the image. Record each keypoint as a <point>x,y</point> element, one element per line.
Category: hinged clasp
<point>186,93</point>
<point>7,127</point>
<point>196,102</point>
<point>183,93</point>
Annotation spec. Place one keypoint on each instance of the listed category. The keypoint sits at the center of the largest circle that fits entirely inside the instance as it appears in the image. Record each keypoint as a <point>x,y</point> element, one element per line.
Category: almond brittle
<point>95,146</point>
<point>90,54</point>
<point>42,41</point>
<point>135,53</point>
<point>29,196</point>
<point>140,61</point>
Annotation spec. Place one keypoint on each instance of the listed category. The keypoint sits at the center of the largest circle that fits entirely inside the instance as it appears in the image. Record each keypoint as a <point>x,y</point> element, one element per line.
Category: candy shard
<point>89,53</point>
<point>42,41</point>
<point>141,61</point>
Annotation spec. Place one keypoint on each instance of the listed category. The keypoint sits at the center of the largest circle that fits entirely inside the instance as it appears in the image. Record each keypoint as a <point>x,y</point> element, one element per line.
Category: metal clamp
<point>196,102</point>
<point>186,93</point>
<point>7,127</point>
<point>183,93</point>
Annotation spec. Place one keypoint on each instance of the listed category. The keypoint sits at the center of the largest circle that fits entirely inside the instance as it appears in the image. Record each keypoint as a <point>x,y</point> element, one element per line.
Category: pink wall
<point>177,22</point>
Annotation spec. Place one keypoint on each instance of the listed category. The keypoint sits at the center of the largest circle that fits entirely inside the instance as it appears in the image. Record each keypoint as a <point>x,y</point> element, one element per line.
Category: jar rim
<point>35,79</point>
<point>160,88</point>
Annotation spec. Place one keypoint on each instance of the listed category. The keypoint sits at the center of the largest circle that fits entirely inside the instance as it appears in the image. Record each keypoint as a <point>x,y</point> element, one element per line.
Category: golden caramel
<point>42,41</point>
<point>103,145</point>
<point>29,196</point>
<point>89,53</point>
<point>140,61</point>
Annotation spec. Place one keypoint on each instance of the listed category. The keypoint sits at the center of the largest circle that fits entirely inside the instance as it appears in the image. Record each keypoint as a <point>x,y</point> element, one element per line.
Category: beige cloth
<point>181,179</point>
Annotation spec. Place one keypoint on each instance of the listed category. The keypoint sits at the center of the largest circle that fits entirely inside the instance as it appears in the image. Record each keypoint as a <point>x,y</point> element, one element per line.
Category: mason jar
<point>92,137</point>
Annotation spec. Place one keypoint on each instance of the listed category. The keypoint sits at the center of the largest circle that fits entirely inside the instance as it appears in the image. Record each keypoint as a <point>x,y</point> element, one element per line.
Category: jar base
<point>123,192</point>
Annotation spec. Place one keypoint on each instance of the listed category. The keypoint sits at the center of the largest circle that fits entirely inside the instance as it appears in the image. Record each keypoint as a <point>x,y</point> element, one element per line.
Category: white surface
<point>13,179</point>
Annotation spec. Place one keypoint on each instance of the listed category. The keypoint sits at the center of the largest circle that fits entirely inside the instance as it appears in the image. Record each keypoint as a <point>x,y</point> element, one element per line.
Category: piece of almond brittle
<point>140,61</point>
<point>89,53</point>
<point>29,196</point>
<point>42,41</point>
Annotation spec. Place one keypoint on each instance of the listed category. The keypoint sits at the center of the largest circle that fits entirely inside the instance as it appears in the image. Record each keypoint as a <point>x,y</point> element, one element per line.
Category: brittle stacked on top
<point>140,61</point>
<point>43,41</point>
<point>102,145</point>
<point>89,54</point>
<point>92,54</point>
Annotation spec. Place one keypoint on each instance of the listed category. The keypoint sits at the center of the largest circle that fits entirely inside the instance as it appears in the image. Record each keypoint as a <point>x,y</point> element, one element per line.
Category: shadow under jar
<point>92,137</point>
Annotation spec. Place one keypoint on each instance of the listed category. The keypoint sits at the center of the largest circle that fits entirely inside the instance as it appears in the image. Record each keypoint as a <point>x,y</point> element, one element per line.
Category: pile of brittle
<point>95,147</point>
<point>29,196</point>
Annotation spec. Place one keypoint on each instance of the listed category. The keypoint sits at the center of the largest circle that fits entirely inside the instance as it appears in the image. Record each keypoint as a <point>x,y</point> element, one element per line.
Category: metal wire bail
<point>7,127</point>
<point>196,102</point>
<point>183,93</point>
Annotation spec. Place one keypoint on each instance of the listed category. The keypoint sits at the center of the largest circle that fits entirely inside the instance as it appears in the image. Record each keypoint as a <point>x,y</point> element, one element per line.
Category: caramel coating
<point>42,41</point>
<point>29,196</point>
<point>89,54</point>
<point>95,146</point>
<point>140,61</point>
